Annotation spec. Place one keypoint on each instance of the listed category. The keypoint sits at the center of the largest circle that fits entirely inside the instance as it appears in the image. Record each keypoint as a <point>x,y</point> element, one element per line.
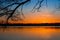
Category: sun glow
<point>39,17</point>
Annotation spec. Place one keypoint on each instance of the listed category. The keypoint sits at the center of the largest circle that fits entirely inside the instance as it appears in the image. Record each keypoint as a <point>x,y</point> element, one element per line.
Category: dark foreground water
<point>30,33</point>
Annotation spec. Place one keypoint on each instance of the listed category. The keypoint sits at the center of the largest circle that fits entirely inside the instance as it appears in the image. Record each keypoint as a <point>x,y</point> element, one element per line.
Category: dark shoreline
<point>41,24</point>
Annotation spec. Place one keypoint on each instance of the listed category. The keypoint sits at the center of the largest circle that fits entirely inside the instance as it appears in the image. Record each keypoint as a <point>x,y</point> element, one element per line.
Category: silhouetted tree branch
<point>16,9</point>
<point>39,2</point>
<point>4,10</point>
<point>8,6</point>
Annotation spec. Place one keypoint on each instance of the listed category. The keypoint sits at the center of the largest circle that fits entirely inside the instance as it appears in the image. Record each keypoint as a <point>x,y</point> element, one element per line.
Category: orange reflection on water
<point>41,32</point>
<point>33,32</point>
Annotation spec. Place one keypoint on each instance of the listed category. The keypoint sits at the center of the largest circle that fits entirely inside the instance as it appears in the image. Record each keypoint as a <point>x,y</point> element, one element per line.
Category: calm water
<point>30,33</point>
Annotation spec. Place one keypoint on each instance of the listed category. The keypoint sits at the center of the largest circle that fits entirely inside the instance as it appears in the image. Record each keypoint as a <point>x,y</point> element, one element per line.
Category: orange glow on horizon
<point>39,17</point>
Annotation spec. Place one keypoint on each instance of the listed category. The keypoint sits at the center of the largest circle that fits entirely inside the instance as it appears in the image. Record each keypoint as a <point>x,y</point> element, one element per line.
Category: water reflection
<point>30,33</point>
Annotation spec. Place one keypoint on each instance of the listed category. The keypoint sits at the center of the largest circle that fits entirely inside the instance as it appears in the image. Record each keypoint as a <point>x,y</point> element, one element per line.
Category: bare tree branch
<point>10,12</point>
<point>22,11</point>
<point>16,9</point>
<point>8,6</point>
<point>38,3</point>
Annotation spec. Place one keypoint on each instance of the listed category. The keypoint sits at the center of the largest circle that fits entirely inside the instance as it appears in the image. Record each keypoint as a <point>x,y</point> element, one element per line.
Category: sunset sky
<point>48,13</point>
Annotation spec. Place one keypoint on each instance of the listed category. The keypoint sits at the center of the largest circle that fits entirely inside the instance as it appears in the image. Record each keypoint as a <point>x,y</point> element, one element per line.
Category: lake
<point>30,33</point>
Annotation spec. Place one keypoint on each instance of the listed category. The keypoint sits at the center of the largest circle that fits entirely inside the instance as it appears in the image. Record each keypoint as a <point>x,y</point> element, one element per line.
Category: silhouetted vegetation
<point>6,7</point>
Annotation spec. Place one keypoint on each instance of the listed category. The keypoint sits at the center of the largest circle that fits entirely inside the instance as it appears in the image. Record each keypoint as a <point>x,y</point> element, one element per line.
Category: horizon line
<point>31,24</point>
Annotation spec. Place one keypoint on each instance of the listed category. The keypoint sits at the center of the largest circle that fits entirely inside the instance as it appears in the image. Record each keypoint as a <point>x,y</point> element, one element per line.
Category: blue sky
<point>47,11</point>
<point>51,4</point>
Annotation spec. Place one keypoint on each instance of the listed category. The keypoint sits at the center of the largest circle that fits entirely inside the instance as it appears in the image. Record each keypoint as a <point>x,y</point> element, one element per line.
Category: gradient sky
<point>48,12</point>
